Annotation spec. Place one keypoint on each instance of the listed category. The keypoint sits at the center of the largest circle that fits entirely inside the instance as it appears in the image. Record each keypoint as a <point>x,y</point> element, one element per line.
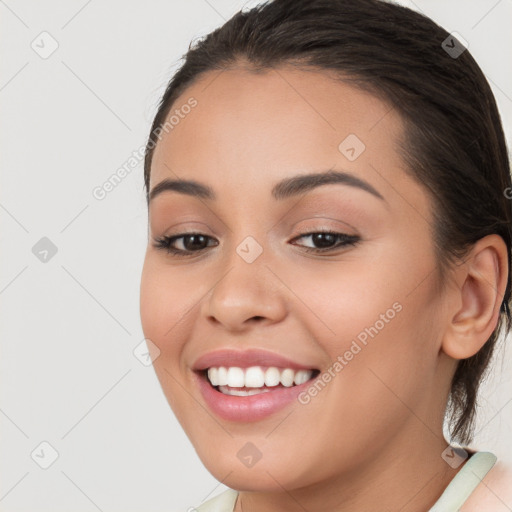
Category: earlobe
<point>483,277</point>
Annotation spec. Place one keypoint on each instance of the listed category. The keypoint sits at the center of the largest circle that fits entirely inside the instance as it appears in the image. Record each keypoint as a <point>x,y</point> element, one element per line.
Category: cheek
<point>165,301</point>
<point>376,321</point>
<point>164,322</point>
<point>162,315</point>
<point>389,360</point>
<point>345,298</point>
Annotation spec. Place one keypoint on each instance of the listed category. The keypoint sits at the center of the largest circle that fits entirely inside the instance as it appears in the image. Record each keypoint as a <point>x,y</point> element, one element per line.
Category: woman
<point>328,266</point>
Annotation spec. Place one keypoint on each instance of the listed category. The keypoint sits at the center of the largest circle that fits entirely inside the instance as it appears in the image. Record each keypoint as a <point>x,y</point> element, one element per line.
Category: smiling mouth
<point>236,381</point>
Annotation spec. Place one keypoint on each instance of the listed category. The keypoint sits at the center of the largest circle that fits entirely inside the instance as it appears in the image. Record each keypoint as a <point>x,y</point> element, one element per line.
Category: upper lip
<point>245,359</point>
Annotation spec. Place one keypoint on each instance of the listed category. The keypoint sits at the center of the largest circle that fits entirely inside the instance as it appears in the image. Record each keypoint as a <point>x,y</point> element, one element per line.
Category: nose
<point>245,294</point>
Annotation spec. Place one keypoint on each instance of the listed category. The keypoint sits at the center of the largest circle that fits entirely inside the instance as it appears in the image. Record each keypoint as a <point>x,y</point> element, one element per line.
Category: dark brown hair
<point>453,145</point>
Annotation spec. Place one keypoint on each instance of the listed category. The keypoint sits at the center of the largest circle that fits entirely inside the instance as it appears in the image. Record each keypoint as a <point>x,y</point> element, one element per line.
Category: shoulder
<point>493,493</point>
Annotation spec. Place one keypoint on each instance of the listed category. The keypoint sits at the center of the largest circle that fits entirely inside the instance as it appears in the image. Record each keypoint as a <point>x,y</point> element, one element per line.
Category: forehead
<point>247,131</point>
<point>245,121</point>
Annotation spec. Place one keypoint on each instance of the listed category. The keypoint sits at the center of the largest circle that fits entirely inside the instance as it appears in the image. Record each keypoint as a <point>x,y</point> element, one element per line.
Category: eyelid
<point>317,218</point>
<point>189,228</point>
<point>345,228</point>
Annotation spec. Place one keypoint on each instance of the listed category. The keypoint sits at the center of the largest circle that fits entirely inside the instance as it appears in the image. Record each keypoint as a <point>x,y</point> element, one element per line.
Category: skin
<point>372,438</point>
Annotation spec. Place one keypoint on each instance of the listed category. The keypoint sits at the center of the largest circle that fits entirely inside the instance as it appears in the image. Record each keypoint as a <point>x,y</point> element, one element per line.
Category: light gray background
<point>69,326</point>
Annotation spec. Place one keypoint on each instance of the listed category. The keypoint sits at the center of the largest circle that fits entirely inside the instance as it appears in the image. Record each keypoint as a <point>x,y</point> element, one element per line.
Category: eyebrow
<point>284,189</point>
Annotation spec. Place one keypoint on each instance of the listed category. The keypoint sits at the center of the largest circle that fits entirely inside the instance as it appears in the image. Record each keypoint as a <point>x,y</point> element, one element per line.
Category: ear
<point>481,282</point>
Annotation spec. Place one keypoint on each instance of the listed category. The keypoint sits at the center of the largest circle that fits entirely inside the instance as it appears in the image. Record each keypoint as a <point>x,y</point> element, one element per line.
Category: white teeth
<point>256,377</point>
<point>213,374</point>
<point>272,376</point>
<point>302,376</point>
<point>236,377</point>
<point>222,376</point>
<point>287,376</point>
<point>242,392</point>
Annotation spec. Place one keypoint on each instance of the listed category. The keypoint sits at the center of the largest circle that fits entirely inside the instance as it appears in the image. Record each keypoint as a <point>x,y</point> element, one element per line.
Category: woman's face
<point>365,315</point>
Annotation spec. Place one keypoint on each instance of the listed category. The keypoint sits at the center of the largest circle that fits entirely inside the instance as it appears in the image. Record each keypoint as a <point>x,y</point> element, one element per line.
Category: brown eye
<point>188,243</point>
<point>324,241</point>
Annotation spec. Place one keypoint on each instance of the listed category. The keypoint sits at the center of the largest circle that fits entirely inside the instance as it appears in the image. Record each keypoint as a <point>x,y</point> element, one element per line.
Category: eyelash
<point>164,243</point>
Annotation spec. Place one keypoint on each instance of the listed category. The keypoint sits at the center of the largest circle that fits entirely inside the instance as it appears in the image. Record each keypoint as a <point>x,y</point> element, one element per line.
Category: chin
<point>268,474</point>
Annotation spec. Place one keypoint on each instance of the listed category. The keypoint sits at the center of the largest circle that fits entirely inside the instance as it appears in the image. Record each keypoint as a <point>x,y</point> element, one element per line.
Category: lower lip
<point>248,408</point>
